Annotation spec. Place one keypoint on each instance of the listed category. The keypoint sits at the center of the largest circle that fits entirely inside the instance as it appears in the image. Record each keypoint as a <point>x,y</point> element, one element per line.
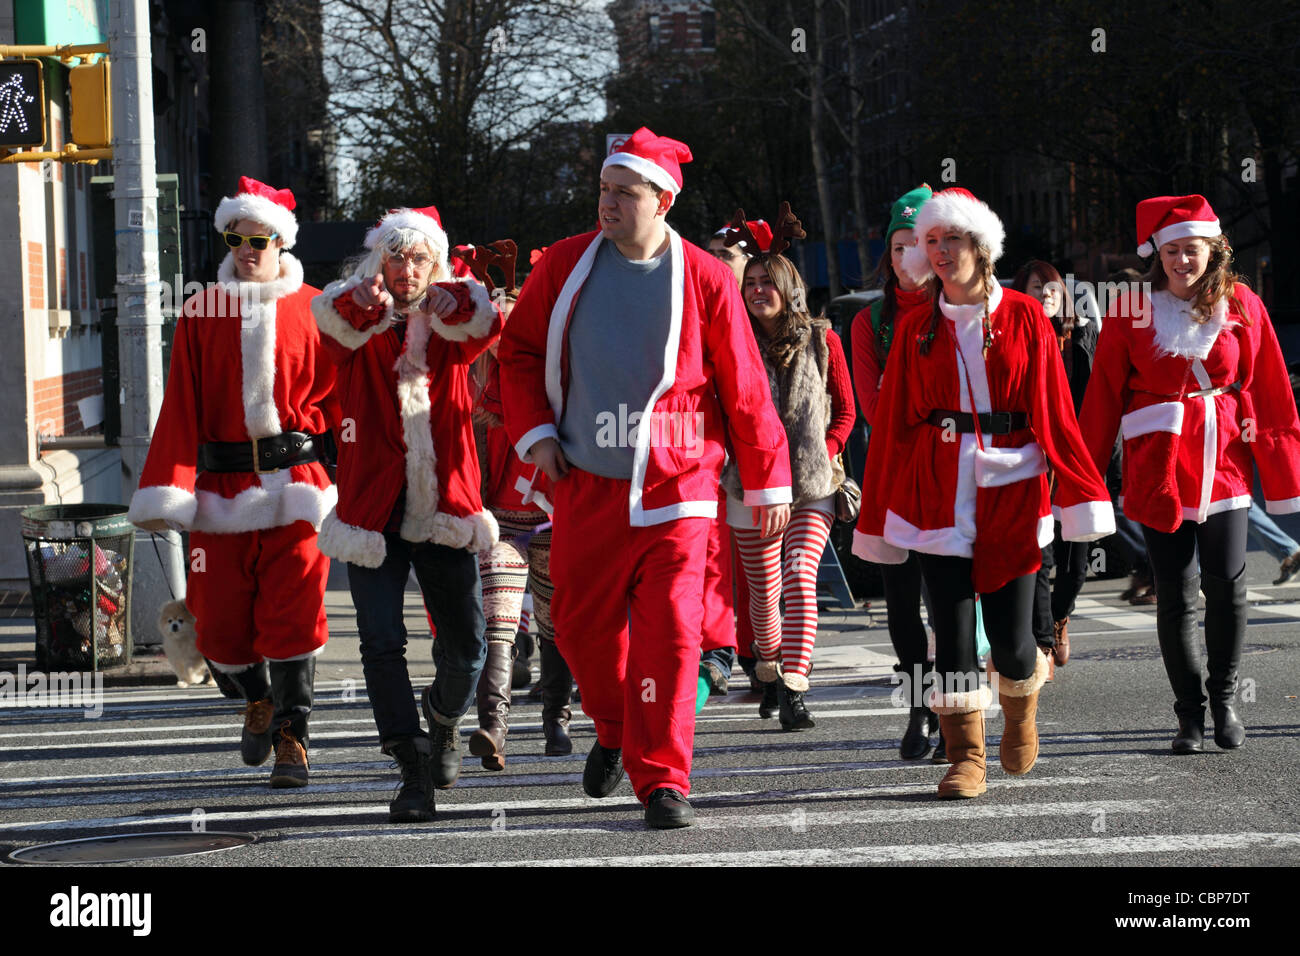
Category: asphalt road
<point>1106,790</point>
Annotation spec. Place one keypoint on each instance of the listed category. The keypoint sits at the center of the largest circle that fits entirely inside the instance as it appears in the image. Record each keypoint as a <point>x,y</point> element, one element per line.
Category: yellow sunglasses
<point>234,240</point>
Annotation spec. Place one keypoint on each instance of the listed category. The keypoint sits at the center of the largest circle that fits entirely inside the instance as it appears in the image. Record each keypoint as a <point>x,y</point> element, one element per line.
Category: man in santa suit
<point>249,397</point>
<point>627,360</point>
<point>403,332</point>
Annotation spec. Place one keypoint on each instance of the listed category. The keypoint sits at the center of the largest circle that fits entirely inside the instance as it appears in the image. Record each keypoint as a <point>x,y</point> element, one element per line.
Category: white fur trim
<point>555,330</point>
<point>349,543</point>
<point>1204,228</point>
<point>952,541</point>
<point>1209,440</point>
<point>795,682</point>
<point>476,532</point>
<point>413,405</point>
<point>872,547</point>
<point>648,517</point>
<point>1046,530</point>
<point>331,323</point>
<point>769,496</point>
<point>767,671</point>
<point>642,166</point>
<point>166,502</point>
<point>946,208</point>
<point>1223,504</point>
<point>410,219</point>
<point>532,437</point>
<point>1283,506</point>
<point>1087,521</point>
<point>269,505</point>
<point>995,467</point>
<point>286,283</point>
<point>1161,417</point>
<point>964,702</point>
<point>259,209</point>
<point>477,327</point>
<point>1175,331</point>
<point>915,264</point>
<point>1023,688</point>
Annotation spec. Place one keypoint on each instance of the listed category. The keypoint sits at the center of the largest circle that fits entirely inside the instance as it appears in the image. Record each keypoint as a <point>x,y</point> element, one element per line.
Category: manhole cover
<point>131,846</point>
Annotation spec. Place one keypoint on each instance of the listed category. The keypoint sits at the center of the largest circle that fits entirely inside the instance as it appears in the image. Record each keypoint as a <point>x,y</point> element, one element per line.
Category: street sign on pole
<point>614,142</point>
<point>22,103</point>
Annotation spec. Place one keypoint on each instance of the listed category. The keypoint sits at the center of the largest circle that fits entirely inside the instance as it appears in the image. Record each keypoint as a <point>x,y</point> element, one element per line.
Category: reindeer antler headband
<point>503,254</point>
<point>777,239</point>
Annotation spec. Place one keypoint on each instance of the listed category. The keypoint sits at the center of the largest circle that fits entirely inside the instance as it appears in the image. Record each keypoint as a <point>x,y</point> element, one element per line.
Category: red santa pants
<point>258,595</point>
<point>719,615</point>
<point>627,614</point>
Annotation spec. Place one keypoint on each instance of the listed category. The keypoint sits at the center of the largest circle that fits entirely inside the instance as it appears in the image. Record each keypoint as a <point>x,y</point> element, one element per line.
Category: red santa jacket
<point>937,491</point>
<point>510,484</point>
<point>1186,457</point>
<point>406,421</point>
<point>246,363</point>
<point>709,345</point>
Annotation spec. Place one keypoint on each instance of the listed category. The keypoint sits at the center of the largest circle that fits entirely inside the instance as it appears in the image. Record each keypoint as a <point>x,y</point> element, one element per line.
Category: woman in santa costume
<point>1192,378</point>
<point>973,408</point>
<point>627,362</point>
<point>249,397</point>
<point>808,377</point>
<point>403,335</point>
<point>904,274</point>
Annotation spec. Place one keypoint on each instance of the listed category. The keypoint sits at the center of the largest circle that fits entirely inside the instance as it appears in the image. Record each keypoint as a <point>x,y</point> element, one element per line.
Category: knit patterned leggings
<point>803,543</point>
<point>519,558</point>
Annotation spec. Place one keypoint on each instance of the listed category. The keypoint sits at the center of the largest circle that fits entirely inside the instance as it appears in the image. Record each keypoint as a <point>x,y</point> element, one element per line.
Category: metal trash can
<point>79,562</point>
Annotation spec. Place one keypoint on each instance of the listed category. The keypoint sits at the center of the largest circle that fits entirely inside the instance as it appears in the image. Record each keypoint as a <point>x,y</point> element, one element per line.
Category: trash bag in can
<point>79,563</point>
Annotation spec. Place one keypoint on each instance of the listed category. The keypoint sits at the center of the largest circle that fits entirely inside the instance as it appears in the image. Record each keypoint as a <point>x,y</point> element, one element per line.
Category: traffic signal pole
<point>139,313</point>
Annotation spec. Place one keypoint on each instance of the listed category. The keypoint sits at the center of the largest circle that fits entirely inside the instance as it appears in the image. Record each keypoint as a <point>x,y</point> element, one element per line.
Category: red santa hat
<point>260,203</point>
<point>1163,219</point>
<point>761,232</point>
<point>424,220</point>
<point>957,207</point>
<point>657,158</point>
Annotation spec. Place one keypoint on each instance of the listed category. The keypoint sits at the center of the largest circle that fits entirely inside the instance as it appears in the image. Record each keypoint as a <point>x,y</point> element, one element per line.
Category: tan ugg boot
<point>961,719</point>
<point>1019,699</point>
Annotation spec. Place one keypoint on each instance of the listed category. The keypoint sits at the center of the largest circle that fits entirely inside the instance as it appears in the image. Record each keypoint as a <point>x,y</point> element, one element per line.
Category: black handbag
<point>848,496</point>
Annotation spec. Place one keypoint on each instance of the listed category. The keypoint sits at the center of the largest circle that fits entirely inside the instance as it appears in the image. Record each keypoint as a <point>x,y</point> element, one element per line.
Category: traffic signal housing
<point>90,102</point>
<point>22,103</point>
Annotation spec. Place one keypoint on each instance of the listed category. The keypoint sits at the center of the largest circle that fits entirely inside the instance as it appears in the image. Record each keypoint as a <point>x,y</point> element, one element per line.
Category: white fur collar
<point>973,312</point>
<point>1175,331</point>
<point>289,281</point>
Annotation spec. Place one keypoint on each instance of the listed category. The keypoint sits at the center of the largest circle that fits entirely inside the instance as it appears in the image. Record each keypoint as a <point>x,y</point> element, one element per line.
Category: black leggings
<point>1008,621</point>
<point>903,611</point>
<point>1220,539</point>
<point>1055,602</point>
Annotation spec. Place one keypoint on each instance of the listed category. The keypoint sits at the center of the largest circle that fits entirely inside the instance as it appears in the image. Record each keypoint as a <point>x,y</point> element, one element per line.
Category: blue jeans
<point>453,595</point>
<point>1265,532</point>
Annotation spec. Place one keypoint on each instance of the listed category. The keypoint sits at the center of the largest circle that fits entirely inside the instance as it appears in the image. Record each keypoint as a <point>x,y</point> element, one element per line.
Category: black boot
<point>292,685</point>
<point>414,802</point>
<point>444,739</point>
<point>489,741</point>
<point>940,754</point>
<point>771,701</point>
<point>792,710</point>
<point>254,685</point>
<point>1225,633</point>
<point>916,739</point>
<point>557,694</point>
<point>1176,631</point>
<point>521,675</point>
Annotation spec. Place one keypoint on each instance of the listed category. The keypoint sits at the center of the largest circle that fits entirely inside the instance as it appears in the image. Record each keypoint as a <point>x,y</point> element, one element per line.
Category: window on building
<point>679,31</point>
<point>708,29</point>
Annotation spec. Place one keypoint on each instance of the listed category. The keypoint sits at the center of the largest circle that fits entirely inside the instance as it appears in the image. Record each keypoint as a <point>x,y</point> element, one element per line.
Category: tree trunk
<point>855,148</point>
<point>816,120</point>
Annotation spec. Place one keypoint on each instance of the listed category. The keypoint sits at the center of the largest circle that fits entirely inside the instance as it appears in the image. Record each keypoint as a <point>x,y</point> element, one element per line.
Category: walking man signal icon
<point>22,103</point>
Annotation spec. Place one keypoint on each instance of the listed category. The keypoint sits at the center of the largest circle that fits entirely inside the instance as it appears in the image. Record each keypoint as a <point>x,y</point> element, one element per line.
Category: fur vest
<point>801,398</point>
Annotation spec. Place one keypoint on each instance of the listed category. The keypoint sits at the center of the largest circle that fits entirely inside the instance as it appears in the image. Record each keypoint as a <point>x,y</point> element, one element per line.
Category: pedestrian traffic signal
<point>22,103</point>
<point>90,101</point>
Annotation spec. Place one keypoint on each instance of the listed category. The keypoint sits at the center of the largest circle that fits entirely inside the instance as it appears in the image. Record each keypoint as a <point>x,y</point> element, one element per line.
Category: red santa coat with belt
<point>406,421</point>
<point>243,366</point>
<point>709,345</point>
<point>1186,458</point>
<point>938,491</point>
<point>510,484</point>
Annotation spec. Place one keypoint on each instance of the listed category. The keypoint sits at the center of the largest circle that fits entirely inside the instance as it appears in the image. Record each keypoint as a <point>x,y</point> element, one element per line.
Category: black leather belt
<point>261,455</point>
<point>991,423</point>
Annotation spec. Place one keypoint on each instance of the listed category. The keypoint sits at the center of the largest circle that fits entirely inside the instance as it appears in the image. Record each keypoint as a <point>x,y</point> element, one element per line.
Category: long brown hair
<point>1217,282</point>
<point>1047,274</point>
<point>984,266</point>
<point>780,348</point>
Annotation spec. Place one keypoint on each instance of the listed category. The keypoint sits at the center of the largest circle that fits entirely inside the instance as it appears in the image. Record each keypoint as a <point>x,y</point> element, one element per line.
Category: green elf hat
<point>902,215</point>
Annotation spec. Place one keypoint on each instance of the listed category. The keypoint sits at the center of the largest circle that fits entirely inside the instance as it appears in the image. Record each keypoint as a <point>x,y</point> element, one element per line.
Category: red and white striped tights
<point>803,542</point>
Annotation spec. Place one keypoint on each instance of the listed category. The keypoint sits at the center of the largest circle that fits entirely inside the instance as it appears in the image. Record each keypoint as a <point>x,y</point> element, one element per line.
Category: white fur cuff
<point>1022,688</point>
<point>795,682</point>
<point>333,324</point>
<point>872,547</point>
<point>767,671</point>
<point>168,502</point>
<point>964,702</point>
<point>350,543</point>
<point>1087,521</point>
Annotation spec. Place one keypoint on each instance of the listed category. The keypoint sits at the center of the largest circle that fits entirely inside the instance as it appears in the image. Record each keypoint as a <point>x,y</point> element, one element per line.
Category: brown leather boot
<point>255,743</point>
<point>489,741</point>
<point>290,768</point>
<point>961,720</point>
<point>1019,699</point>
<point>1062,635</point>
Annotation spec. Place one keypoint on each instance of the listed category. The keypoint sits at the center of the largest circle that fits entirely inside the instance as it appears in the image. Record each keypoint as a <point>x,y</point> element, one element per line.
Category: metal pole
<point>139,315</point>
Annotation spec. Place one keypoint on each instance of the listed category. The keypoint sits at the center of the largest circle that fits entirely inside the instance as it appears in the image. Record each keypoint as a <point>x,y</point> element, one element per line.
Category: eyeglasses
<point>234,240</point>
<point>419,261</point>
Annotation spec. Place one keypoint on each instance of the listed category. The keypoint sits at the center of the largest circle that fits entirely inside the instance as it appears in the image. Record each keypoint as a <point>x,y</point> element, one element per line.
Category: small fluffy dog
<point>177,626</point>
